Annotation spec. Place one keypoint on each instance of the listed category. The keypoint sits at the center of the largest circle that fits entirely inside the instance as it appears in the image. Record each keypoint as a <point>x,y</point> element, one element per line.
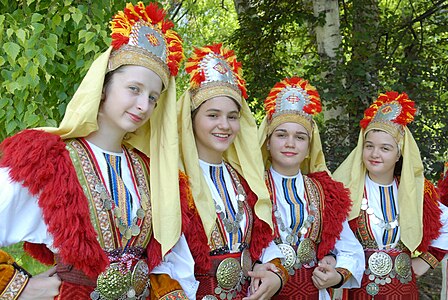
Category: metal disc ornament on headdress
<point>292,99</point>
<point>143,36</point>
<point>214,71</point>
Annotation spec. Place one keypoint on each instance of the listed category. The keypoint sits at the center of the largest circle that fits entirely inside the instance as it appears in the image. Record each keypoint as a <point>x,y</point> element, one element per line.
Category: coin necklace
<point>374,218</point>
<point>127,232</point>
<point>232,226</point>
<point>292,237</point>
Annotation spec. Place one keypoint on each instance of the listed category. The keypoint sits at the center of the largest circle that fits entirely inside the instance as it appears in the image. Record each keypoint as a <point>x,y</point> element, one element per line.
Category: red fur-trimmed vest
<point>42,162</point>
<point>442,188</point>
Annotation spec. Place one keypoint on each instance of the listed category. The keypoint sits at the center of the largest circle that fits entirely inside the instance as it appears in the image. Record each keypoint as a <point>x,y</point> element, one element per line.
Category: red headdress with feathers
<point>292,100</point>
<point>214,71</point>
<point>390,112</point>
<point>143,36</point>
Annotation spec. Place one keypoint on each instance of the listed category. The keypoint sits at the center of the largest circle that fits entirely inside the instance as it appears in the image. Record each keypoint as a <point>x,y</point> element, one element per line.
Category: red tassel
<point>431,217</point>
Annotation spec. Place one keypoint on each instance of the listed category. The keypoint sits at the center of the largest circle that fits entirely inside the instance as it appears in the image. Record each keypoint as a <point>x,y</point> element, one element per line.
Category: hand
<point>329,260</point>
<point>325,276</point>
<point>44,286</point>
<point>419,266</point>
<point>264,283</point>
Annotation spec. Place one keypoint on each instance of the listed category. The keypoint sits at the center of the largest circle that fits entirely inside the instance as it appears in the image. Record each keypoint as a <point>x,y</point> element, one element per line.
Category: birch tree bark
<point>328,38</point>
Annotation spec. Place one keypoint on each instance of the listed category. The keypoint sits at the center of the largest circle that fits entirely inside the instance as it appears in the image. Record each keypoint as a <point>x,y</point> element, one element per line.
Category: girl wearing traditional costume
<point>396,214</point>
<point>310,208</point>
<point>84,196</point>
<point>230,211</point>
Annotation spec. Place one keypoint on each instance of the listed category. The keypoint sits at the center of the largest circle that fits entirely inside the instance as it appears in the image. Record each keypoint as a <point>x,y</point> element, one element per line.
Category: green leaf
<point>63,68</point>
<point>9,32</point>
<point>23,62</point>
<point>57,20</point>
<point>51,123</point>
<point>49,51</point>
<point>53,39</point>
<point>36,18</point>
<point>77,16</point>
<point>33,70</point>
<point>2,61</point>
<point>31,120</point>
<point>41,59</point>
<point>21,35</point>
<point>10,127</point>
<point>12,49</point>
<point>38,27</point>
<point>82,33</point>
<point>3,102</point>
<point>90,35</point>
<point>66,17</point>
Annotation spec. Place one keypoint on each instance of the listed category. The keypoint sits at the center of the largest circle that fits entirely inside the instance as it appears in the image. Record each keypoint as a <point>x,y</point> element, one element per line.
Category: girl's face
<point>129,99</point>
<point>380,154</point>
<point>215,126</point>
<point>288,145</point>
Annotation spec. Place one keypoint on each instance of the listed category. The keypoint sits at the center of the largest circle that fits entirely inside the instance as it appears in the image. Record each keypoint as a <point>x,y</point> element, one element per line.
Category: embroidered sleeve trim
<point>429,259</point>
<point>346,274</point>
<point>175,295</point>
<point>15,286</point>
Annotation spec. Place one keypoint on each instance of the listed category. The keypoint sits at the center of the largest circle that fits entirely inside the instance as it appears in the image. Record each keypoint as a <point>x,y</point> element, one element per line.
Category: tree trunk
<point>328,38</point>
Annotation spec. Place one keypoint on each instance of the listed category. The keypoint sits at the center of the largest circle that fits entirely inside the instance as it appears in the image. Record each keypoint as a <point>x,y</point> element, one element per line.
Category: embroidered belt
<point>68,274</point>
<point>383,266</point>
<point>231,272</point>
<point>304,256</point>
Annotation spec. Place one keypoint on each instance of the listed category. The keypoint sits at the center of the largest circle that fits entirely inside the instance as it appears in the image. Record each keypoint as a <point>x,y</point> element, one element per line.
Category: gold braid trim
<point>211,90</point>
<point>293,118</point>
<point>395,130</point>
<point>131,55</point>
<point>429,259</point>
<point>13,278</point>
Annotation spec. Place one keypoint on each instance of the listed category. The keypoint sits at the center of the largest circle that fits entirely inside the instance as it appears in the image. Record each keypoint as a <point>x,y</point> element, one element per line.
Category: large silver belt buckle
<point>290,255</point>
<point>229,275</point>
<point>116,283</point>
<point>380,272</point>
<point>380,263</point>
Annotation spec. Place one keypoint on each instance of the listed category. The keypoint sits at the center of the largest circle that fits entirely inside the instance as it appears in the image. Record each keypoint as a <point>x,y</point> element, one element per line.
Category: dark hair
<point>109,75</point>
<point>398,166</point>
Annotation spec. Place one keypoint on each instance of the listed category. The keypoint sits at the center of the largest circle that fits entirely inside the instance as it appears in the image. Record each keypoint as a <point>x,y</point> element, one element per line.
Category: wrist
<point>281,282</point>
<point>345,275</point>
<point>257,262</point>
